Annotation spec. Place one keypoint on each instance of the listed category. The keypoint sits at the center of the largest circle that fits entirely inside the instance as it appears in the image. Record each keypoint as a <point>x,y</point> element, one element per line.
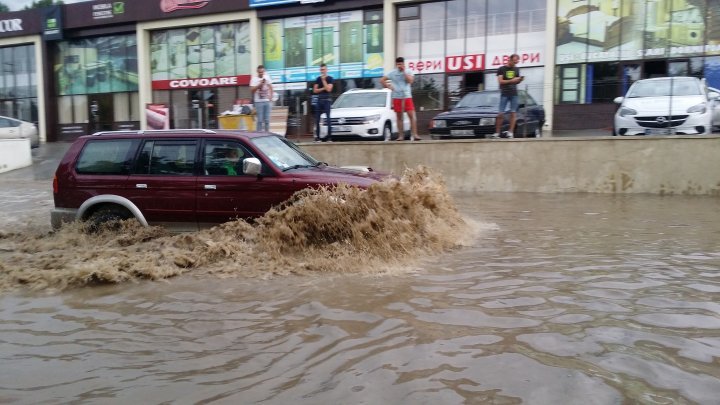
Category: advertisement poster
<point>350,47</point>
<point>200,53</point>
<point>608,30</point>
<point>157,116</point>
<point>97,65</point>
<point>273,45</point>
<point>295,42</point>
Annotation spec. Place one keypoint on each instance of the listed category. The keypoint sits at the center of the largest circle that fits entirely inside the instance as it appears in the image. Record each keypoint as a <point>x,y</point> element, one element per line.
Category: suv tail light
<point>55,184</point>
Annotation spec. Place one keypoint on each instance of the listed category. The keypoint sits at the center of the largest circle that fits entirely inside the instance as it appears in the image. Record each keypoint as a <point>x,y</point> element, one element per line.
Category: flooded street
<point>561,299</point>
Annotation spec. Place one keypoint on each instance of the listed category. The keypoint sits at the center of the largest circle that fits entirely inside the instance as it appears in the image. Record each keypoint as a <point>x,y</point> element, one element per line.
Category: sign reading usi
<point>465,63</point>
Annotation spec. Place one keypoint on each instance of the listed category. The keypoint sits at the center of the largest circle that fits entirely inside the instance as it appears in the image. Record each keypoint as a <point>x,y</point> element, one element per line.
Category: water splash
<point>340,229</point>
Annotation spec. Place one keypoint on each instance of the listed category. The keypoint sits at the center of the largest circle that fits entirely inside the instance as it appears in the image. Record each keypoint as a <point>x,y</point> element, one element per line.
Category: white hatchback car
<point>363,114</point>
<point>665,106</point>
<point>11,128</point>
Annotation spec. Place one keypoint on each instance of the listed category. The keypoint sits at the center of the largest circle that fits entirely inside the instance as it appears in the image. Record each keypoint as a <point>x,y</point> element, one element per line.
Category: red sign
<point>168,6</point>
<point>465,63</point>
<point>222,81</point>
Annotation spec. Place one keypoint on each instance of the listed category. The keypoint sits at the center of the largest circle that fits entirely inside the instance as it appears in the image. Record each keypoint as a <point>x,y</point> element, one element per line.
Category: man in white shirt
<point>261,87</point>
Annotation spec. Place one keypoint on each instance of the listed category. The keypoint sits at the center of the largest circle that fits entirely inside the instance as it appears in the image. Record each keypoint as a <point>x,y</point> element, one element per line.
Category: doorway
<point>101,109</point>
<point>203,108</point>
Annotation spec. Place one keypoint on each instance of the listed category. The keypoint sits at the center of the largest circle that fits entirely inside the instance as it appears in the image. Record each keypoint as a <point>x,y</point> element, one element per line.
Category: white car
<point>715,109</point>
<point>363,114</point>
<point>11,128</point>
<point>665,106</point>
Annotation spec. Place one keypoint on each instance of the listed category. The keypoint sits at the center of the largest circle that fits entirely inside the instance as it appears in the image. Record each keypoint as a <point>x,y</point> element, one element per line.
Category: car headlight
<point>626,111</point>
<point>372,118</point>
<point>439,124</point>
<point>700,108</point>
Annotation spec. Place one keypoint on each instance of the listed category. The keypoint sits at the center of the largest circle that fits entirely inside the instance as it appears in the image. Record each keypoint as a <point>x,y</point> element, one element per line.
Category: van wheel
<point>387,132</point>
<point>107,218</point>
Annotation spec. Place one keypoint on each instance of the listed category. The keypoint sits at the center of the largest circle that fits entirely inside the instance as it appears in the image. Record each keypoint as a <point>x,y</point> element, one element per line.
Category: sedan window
<point>482,99</point>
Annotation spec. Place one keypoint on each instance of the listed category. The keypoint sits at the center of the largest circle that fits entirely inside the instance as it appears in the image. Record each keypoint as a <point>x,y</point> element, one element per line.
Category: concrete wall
<point>14,154</point>
<point>658,165</point>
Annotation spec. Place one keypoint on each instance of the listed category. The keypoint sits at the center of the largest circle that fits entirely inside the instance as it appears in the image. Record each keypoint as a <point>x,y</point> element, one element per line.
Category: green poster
<point>295,45</point>
<point>323,46</point>
<point>351,46</point>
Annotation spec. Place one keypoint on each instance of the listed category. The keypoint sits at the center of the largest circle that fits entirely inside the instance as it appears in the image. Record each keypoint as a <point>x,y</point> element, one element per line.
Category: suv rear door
<point>164,181</point>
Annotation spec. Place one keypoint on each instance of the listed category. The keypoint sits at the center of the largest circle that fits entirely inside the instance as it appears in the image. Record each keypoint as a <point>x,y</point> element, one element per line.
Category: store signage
<point>528,58</point>
<point>52,23</point>
<point>102,11</point>
<point>168,6</point>
<point>12,25</point>
<point>224,81</point>
<point>448,64</point>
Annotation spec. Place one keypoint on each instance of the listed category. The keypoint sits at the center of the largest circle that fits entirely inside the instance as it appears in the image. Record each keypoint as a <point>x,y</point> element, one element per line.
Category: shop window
<point>408,41</point>
<point>570,84</point>
<point>531,16</point>
<point>408,12</point>
<point>475,25</point>
<point>603,83</point>
<point>501,17</point>
<point>433,28</point>
<point>428,92</point>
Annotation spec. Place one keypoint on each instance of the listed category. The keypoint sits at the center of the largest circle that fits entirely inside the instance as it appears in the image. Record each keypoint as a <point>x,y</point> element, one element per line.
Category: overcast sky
<point>16,5</point>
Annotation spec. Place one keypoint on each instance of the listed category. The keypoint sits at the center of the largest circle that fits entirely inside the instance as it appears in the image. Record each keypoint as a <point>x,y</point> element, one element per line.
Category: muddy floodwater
<point>555,299</point>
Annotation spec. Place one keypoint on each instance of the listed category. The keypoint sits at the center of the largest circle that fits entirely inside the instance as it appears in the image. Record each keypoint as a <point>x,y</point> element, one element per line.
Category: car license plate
<point>487,121</point>
<point>341,128</point>
<point>462,132</point>
<point>659,131</point>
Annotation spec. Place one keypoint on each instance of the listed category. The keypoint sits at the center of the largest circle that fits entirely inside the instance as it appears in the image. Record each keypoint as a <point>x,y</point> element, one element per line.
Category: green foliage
<point>4,8</point>
<point>43,3</point>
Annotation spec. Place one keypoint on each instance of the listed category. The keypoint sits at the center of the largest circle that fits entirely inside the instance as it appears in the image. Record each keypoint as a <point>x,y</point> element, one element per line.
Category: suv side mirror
<point>252,166</point>
<point>618,100</point>
<point>713,95</point>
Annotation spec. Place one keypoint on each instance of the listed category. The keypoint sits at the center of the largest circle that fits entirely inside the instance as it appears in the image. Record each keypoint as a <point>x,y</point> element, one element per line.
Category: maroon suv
<point>185,179</point>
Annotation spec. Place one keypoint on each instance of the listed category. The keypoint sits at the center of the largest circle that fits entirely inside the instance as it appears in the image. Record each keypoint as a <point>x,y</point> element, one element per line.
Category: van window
<point>167,158</point>
<point>106,157</point>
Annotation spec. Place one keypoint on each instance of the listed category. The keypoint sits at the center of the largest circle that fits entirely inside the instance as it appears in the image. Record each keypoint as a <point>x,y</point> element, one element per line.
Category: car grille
<point>462,122</point>
<point>661,121</point>
<point>346,121</point>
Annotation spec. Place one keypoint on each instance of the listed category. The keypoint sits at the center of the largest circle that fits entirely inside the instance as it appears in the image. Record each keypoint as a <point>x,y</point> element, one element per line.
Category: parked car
<point>11,128</point>
<point>185,179</point>
<point>364,114</point>
<point>665,106</point>
<point>475,114</point>
<point>715,107</point>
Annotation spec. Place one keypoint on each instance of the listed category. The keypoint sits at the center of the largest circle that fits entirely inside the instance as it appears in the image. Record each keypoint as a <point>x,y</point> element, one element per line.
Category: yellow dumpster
<point>237,121</point>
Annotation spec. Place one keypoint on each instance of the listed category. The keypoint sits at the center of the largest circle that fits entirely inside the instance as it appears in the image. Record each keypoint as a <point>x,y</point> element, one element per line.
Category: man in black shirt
<point>322,88</point>
<point>508,78</point>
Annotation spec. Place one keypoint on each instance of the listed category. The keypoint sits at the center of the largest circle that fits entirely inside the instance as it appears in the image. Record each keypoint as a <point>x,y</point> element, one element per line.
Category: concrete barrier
<point>688,165</point>
<point>14,154</point>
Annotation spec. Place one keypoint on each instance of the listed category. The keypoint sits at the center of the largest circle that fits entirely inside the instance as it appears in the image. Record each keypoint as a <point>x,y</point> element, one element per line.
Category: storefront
<point>20,67</point>
<point>297,38</point>
<point>603,46</point>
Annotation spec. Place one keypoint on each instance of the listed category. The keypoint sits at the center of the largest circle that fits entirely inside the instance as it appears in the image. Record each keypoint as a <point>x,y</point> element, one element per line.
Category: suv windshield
<point>283,153</point>
<point>482,99</point>
<point>353,100</point>
<point>660,88</point>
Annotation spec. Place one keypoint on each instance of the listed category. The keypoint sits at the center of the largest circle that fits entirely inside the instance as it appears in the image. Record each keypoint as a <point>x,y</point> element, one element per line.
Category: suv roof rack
<point>156,131</point>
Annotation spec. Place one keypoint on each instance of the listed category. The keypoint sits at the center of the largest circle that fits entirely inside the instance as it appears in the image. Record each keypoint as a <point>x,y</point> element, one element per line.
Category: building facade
<point>136,64</point>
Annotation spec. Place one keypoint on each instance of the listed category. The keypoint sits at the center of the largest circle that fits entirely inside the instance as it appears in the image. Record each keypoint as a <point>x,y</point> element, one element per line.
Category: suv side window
<point>106,156</point>
<point>224,158</point>
<point>172,157</point>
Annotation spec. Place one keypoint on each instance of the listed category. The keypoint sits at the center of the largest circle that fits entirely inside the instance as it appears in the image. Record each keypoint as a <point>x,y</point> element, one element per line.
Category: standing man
<point>261,87</point>
<point>399,80</point>
<point>323,87</point>
<point>508,77</point>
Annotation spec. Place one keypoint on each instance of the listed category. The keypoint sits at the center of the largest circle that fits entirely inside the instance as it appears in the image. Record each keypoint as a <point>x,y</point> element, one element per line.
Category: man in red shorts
<point>400,80</point>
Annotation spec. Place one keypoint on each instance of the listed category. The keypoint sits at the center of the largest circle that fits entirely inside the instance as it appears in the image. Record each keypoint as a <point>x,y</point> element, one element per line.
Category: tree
<point>43,3</point>
<point>4,8</point>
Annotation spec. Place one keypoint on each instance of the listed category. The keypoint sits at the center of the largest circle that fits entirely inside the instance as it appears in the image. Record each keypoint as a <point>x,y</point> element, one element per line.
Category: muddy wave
<point>342,229</point>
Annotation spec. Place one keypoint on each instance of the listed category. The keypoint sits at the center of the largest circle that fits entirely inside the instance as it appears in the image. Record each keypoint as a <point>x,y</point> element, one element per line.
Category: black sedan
<point>475,113</point>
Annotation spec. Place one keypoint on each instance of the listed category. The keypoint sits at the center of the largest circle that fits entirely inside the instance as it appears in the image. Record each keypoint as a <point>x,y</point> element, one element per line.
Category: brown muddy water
<point>513,298</point>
